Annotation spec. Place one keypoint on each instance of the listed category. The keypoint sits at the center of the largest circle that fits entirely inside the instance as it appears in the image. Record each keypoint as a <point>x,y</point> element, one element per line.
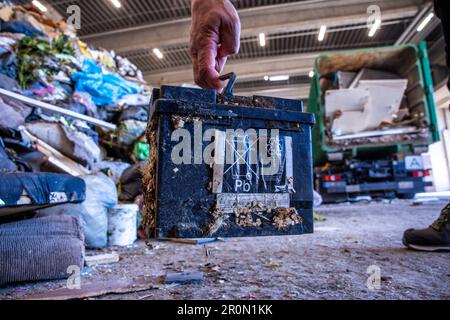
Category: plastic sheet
<point>105,89</point>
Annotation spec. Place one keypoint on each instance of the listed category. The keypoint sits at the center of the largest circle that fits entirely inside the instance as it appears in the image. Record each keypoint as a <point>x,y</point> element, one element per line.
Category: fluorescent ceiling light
<point>116,3</point>
<point>425,21</point>
<point>311,74</point>
<point>279,78</point>
<point>375,27</point>
<point>262,39</point>
<point>40,6</point>
<point>158,53</point>
<point>322,31</point>
<point>266,78</point>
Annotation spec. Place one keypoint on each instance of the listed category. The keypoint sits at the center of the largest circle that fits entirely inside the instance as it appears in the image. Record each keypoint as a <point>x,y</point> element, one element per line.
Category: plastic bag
<point>318,200</point>
<point>130,131</point>
<point>17,26</point>
<point>101,195</point>
<point>115,169</point>
<point>105,89</point>
<point>131,182</point>
<point>13,113</point>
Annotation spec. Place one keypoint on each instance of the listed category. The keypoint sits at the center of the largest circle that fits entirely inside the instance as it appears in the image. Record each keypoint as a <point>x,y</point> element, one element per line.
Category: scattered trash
<point>273,265</point>
<point>211,267</point>
<point>93,290</point>
<point>318,200</point>
<point>104,88</point>
<point>91,261</point>
<point>184,278</point>
<point>319,218</point>
<point>419,202</point>
<point>366,199</point>
<point>131,182</point>
<point>192,241</point>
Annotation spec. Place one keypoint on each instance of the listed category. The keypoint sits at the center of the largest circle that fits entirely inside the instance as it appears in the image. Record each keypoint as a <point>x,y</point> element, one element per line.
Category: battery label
<point>227,202</point>
<point>248,163</point>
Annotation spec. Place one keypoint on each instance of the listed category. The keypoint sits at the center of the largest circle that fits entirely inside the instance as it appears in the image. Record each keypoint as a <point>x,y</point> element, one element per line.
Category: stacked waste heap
<point>57,159</point>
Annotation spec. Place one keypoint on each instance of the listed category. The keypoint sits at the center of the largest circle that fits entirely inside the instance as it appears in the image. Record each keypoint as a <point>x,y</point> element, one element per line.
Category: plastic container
<point>122,225</point>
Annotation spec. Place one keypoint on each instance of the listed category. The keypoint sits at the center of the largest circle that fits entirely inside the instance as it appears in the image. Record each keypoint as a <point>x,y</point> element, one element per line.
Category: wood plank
<point>56,158</point>
<point>102,259</point>
<point>100,289</point>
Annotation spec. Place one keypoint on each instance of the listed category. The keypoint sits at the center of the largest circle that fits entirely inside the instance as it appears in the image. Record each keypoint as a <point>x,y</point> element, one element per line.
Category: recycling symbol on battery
<point>242,157</point>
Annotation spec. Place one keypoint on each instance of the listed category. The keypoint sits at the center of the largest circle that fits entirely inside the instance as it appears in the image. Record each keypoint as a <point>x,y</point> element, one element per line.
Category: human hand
<point>215,35</point>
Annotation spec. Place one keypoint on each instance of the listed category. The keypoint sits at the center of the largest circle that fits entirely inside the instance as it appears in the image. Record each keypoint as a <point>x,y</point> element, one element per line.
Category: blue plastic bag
<point>19,26</point>
<point>105,89</point>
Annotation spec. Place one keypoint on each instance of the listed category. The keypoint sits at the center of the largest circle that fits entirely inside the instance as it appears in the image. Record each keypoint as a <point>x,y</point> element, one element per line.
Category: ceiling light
<point>262,39</point>
<point>279,78</point>
<point>158,53</point>
<point>425,21</point>
<point>40,6</point>
<point>375,27</point>
<point>322,31</point>
<point>116,3</point>
<point>311,74</point>
<point>266,78</point>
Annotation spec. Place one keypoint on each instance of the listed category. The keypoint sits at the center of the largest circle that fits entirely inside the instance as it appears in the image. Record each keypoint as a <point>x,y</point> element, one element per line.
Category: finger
<point>220,63</point>
<point>207,72</point>
<point>197,79</point>
<point>230,34</point>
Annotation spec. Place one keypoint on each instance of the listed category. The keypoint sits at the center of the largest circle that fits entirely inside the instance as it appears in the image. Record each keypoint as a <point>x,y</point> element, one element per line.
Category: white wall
<point>439,154</point>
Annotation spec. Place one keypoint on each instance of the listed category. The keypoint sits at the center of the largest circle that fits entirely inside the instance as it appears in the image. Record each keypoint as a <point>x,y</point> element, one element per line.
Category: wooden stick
<point>93,290</point>
<point>43,105</point>
<point>57,158</point>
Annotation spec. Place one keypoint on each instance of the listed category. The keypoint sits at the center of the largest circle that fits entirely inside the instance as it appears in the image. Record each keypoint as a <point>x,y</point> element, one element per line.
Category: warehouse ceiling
<point>291,29</point>
<point>102,16</point>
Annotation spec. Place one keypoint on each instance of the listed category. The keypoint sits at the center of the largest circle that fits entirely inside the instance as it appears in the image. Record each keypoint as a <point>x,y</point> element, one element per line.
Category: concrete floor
<point>331,264</point>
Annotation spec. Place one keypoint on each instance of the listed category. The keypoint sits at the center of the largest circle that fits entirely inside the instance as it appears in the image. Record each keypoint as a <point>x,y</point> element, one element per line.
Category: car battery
<point>227,166</point>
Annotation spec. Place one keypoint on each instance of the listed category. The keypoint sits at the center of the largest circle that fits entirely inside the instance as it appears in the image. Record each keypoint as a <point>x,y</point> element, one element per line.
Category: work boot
<point>435,238</point>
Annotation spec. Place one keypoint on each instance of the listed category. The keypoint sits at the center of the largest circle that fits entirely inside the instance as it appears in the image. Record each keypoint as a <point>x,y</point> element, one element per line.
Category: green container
<point>411,63</point>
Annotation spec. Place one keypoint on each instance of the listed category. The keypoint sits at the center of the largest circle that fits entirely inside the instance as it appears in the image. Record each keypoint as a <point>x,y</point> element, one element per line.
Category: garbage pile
<point>60,101</point>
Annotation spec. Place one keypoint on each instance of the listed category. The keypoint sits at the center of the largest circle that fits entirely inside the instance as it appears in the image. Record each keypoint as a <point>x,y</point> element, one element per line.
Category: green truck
<point>367,143</point>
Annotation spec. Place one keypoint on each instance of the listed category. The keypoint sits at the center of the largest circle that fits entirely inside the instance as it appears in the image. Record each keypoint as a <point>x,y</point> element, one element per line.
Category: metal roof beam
<point>246,69</point>
<point>270,19</point>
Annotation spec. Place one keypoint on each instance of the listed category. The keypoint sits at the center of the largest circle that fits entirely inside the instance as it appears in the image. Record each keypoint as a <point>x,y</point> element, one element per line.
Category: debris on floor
<point>193,241</point>
<point>102,259</point>
<point>319,218</point>
<point>93,290</point>
<point>184,278</point>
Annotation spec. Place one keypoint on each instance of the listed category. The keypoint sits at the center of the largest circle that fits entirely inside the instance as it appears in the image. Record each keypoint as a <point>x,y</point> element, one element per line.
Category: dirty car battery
<point>227,166</point>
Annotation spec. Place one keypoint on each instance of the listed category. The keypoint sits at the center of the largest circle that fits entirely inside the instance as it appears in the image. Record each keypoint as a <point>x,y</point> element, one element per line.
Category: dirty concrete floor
<point>331,264</point>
